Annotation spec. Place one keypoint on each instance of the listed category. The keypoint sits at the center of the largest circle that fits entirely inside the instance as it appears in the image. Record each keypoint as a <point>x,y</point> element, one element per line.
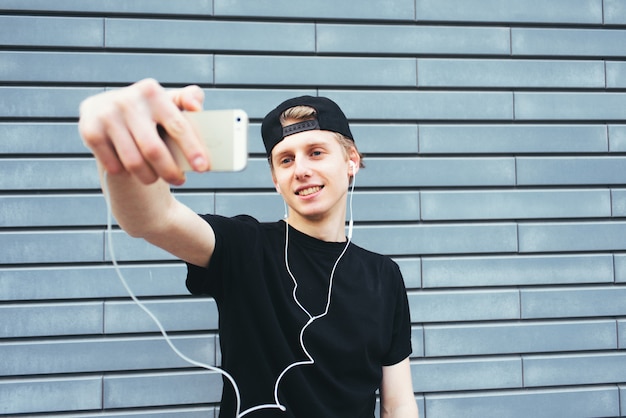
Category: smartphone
<point>224,134</point>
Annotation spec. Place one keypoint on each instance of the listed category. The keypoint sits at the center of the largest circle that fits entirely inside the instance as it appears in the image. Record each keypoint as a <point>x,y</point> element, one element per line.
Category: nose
<point>301,168</point>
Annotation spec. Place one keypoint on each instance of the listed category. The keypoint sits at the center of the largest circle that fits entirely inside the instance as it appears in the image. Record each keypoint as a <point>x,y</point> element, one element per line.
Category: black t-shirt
<point>367,325</point>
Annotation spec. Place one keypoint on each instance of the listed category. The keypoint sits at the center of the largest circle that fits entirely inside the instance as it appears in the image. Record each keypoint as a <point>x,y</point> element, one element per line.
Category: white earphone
<point>351,221</point>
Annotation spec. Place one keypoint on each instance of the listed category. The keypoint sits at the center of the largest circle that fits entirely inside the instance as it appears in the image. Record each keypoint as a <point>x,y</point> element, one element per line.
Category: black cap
<point>329,118</point>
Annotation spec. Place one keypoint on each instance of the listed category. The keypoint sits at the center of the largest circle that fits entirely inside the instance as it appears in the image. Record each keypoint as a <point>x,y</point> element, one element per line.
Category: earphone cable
<point>312,318</point>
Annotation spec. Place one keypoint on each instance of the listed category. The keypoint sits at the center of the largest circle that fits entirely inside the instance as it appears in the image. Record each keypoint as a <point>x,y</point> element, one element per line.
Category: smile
<point>309,191</point>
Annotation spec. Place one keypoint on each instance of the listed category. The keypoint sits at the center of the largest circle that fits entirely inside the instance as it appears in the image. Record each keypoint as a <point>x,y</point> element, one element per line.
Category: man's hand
<point>120,128</point>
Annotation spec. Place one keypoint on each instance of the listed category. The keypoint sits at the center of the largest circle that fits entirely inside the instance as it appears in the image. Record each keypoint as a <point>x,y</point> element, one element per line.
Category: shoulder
<point>373,259</point>
<point>220,219</point>
<point>238,222</point>
<point>377,268</point>
<point>242,228</point>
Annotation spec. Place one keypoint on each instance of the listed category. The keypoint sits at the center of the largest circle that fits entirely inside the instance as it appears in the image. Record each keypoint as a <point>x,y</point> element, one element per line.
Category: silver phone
<point>224,133</point>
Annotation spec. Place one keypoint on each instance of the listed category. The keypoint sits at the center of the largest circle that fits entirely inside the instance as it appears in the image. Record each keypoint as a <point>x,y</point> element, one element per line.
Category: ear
<point>354,161</point>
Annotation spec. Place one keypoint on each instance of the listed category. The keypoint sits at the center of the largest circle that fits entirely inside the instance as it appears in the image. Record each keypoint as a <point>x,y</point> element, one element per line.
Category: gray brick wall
<point>495,133</point>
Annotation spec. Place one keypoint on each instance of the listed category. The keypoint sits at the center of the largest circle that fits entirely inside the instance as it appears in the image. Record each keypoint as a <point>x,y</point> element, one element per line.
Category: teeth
<point>310,190</point>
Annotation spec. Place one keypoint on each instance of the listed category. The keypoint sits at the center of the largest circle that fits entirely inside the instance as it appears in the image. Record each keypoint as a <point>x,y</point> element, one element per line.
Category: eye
<point>286,160</point>
<point>316,153</point>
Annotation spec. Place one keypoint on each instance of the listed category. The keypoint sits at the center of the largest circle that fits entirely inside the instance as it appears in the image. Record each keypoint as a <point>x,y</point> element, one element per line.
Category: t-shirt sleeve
<point>400,347</point>
<point>230,242</point>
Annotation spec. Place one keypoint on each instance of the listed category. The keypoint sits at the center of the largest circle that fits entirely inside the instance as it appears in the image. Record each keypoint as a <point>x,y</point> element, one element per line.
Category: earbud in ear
<point>352,166</point>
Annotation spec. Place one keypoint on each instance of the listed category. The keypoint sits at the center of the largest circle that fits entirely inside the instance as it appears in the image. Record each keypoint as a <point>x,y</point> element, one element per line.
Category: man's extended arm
<point>120,128</point>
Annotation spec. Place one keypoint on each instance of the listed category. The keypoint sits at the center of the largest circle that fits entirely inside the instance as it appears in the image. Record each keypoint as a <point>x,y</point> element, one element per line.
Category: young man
<point>311,325</point>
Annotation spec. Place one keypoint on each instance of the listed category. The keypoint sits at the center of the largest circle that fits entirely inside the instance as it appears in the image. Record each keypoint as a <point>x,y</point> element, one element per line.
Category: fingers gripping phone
<point>224,134</point>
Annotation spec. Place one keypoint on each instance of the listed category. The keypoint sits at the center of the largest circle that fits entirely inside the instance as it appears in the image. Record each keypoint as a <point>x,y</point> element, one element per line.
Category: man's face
<point>311,171</point>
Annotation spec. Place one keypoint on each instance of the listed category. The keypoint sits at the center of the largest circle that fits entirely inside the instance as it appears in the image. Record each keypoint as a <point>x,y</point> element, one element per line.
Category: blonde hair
<point>304,113</point>
<point>298,113</point>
